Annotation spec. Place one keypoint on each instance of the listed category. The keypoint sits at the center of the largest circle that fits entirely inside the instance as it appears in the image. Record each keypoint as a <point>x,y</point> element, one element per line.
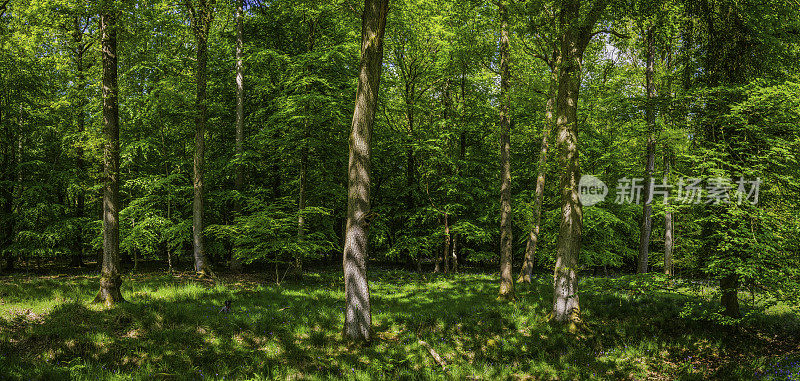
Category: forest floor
<point>170,328</point>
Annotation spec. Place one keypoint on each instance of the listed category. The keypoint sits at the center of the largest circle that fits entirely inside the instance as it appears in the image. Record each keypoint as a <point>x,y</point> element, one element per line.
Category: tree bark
<point>650,116</point>
<point>668,228</point>
<point>110,278</point>
<point>201,18</point>
<point>533,236</point>
<point>236,262</point>
<point>358,317</point>
<point>575,38</point>
<point>506,238</point>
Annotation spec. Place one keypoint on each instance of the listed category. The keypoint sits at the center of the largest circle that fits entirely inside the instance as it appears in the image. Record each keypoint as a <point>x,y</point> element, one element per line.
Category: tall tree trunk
<point>236,262</point>
<point>358,317</point>
<point>201,18</point>
<point>80,211</point>
<point>446,251</point>
<point>533,235</point>
<point>298,263</point>
<point>575,38</point>
<point>650,116</point>
<point>668,227</point>
<point>110,279</point>
<point>506,238</point>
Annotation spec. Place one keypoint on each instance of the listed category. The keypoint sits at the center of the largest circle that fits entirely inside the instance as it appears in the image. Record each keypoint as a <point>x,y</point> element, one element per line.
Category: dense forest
<point>548,160</point>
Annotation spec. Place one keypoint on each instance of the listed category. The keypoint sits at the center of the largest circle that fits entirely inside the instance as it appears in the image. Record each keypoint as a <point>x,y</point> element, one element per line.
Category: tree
<point>577,33</point>
<point>358,318</point>
<point>110,279</point>
<point>506,238</point>
<point>201,18</point>
<point>650,117</point>
<point>236,263</point>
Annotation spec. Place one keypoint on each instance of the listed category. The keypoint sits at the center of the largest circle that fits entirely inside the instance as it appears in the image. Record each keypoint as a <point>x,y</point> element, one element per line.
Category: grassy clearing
<point>170,329</point>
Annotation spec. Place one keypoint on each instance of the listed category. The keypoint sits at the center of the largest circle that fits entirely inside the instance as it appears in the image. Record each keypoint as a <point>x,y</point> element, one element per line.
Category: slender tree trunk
<point>358,317</point>
<point>668,227</point>
<point>454,253</point>
<point>77,36</point>
<point>201,18</point>
<point>110,279</point>
<point>575,38</point>
<point>446,251</point>
<point>506,238</point>
<point>650,116</point>
<point>9,170</point>
<point>304,162</point>
<point>533,236</point>
<point>236,262</point>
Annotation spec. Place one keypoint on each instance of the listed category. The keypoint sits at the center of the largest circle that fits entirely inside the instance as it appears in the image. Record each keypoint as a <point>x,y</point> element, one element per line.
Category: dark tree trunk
<point>506,238</point>
<point>236,263</point>
<point>729,285</point>
<point>201,18</point>
<point>650,116</point>
<point>575,38</point>
<point>358,317</point>
<point>110,279</point>
<point>533,236</point>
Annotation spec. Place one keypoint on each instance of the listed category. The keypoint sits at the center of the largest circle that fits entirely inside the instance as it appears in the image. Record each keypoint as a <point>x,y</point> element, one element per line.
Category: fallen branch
<point>439,359</point>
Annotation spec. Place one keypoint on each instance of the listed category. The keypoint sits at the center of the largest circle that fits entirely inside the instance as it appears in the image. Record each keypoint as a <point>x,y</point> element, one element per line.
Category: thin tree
<point>646,226</point>
<point>79,49</point>
<point>506,237</point>
<point>201,18</point>
<point>576,36</point>
<point>110,279</point>
<point>533,236</point>
<point>358,317</point>
<point>236,263</point>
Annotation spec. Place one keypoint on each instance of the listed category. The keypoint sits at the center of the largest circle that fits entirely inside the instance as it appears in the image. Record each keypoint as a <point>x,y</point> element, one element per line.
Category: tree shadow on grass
<point>295,330</point>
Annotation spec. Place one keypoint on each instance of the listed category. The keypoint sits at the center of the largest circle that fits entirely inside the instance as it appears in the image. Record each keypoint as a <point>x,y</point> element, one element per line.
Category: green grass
<point>170,329</point>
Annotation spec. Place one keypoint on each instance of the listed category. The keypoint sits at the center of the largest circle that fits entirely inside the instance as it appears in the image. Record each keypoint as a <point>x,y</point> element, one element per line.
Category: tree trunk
<point>201,24</point>
<point>668,227</point>
<point>533,236</point>
<point>454,253</point>
<point>77,37</point>
<point>506,238</point>
<point>575,38</point>
<point>298,263</point>
<point>236,262</point>
<point>650,116</point>
<point>358,318</point>
<point>729,285</point>
<point>446,251</point>
<point>10,168</point>
<point>110,279</point>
